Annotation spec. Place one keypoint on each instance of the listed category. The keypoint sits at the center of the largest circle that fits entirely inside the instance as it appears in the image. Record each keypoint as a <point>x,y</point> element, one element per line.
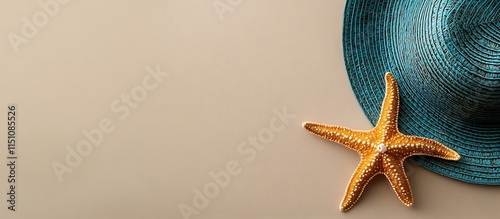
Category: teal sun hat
<point>445,55</point>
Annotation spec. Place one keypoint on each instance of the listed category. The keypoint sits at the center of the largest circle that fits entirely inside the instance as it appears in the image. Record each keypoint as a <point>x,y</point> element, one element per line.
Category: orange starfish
<point>382,149</point>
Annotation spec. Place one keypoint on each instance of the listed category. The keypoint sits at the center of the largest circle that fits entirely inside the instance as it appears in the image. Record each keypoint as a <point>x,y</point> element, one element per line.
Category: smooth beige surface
<point>227,78</point>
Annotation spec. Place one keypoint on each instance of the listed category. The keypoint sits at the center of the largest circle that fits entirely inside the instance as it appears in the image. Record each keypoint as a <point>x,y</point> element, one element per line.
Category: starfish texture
<point>382,149</point>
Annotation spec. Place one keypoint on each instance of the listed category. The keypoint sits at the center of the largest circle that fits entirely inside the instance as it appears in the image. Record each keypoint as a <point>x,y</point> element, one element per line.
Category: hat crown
<point>474,12</point>
<point>472,33</point>
<point>461,65</point>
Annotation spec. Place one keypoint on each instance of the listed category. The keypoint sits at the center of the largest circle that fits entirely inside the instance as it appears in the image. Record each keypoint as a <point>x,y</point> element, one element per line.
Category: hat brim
<point>378,38</point>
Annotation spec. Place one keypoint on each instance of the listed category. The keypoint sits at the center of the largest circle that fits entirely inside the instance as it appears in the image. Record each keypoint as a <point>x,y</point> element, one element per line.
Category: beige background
<point>226,77</point>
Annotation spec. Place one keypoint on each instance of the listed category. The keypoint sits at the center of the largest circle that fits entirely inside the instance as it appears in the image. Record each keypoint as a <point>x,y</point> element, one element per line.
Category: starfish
<point>383,149</point>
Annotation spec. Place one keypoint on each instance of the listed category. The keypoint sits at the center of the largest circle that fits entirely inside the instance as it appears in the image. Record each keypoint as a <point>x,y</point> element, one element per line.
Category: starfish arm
<point>387,124</point>
<point>395,173</point>
<point>404,146</point>
<point>365,171</point>
<point>355,140</point>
